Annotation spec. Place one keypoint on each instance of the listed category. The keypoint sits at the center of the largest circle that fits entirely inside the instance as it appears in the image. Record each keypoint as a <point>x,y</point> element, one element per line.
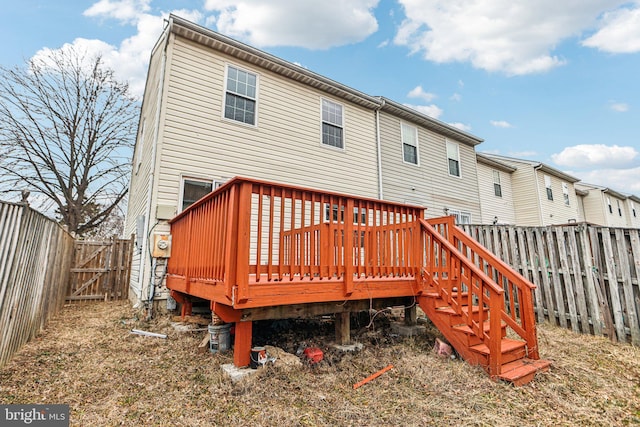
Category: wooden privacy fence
<point>35,258</point>
<point>587,276</point>
<point>100,270</point>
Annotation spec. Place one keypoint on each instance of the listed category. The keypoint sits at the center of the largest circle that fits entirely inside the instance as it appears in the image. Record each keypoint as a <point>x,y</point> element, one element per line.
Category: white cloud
<point>622,180</point>
<point>418,92</point>
<point>500,124</point>
<point>514,37</point>
<point>129,60</point>
<point>461,126</point>
<point>126,11</point>
<point>384,43</point>
<point>585,156</point>
<point>619,107</point>
<point>429,110</point>
<point>619,31</point>
<point>456,97</point>
<point>303,23</point>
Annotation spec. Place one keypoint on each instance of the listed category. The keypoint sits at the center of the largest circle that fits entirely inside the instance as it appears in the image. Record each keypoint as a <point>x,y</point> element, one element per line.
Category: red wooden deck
<point>253,244</point>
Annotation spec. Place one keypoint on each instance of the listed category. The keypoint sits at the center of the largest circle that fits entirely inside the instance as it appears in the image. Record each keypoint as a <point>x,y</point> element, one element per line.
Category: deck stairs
<point>477,331</point>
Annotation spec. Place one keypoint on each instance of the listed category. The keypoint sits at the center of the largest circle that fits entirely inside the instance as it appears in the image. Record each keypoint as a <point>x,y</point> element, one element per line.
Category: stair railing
<point>517,309</point>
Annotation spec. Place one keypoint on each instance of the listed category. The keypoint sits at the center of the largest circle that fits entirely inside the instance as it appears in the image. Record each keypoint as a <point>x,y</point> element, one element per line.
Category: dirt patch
<point>88,359</point>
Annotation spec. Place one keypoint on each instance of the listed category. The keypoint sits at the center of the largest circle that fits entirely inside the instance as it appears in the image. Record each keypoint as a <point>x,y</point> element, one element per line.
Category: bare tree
<point>67,129</point>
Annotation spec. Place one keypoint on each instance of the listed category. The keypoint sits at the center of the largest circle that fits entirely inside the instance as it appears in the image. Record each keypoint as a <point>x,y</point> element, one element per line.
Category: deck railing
<point>249,233</point>
<point>469,275</point>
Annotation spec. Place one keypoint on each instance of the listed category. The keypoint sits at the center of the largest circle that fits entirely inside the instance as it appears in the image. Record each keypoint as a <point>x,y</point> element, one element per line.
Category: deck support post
<point>411,315</point>
<point>343,328</point>
<point>242,344</point>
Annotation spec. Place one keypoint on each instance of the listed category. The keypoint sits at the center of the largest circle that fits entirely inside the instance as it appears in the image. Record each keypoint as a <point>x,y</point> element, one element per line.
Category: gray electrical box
<point>165,211</point>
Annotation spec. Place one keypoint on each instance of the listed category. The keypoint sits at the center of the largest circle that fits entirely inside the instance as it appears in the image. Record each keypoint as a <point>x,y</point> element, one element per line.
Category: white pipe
<point>379,149</point>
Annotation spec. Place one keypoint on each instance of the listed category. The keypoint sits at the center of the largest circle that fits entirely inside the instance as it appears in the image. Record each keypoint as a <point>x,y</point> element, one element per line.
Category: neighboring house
<point>496,191</point>
<point>633,211</point>
<point>607,207</point>
<point>542,195</point>
<point>428,163</point>
<point>215,108</point>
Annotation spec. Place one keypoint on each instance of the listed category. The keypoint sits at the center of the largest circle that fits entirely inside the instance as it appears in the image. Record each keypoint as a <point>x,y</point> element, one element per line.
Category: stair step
<point>486,326</point>
<point>506,346</point>
<point>523,371</point>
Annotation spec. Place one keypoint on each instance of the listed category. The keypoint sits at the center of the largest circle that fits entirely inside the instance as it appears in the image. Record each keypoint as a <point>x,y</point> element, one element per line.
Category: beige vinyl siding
<point>492,205</point>
<point>594,207</point>
<point>285,146</point>
<point>634,222</point>
<point>428,184</point>
<point>525,195</point>
<point>556,211</point>
<point>614,219</point>
<point>139,185</point>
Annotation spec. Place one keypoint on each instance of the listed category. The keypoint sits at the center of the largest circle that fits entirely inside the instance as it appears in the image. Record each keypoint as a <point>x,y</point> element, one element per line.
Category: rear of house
<point>214,109</point>
<point>607,207</point>
<point>542,195</point>
<point>428,163</point>
<point>496,191</point>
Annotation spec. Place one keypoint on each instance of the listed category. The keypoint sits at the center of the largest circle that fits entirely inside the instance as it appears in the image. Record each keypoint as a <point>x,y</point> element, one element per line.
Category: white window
<point>497,187</point>
<point>547,184</point>
<point>409,143</point>
<point>461,217</point>
<point>609,205</point>
<point>453,158</point>
<point>332,124</point>
<point>565,193</point>
<point>633,209</point>
<point>619,208</point>
<point>193,189</point>
<point>240,95</point>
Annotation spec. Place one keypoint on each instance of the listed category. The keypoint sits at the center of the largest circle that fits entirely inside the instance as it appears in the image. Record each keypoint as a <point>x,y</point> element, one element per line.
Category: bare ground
<point>88,358</point>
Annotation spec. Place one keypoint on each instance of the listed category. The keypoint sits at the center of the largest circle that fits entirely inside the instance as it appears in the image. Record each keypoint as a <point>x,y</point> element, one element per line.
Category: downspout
<point>154,146</point>
<point>539,203</point>
<point>379,149</point>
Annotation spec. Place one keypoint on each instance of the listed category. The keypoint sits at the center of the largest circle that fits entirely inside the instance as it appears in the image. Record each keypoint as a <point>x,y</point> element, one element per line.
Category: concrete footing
<point>236,374</point>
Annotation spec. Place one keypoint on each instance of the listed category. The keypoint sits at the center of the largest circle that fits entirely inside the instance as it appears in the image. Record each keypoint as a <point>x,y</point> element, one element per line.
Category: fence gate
<point>100,270</point>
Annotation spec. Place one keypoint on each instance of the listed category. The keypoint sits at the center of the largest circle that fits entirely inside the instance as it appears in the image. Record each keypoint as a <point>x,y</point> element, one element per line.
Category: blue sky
<point>547,80</point>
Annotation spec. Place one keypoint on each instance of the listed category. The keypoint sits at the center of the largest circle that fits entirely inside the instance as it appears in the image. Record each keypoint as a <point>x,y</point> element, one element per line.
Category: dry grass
<point>88,359</point>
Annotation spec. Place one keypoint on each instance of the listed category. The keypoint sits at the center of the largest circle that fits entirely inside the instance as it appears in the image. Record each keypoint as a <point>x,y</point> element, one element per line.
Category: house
<point>496,191</point>
<point>633,206</point>
<point>542,195</point>
<point>320,196</point>
<point>215,108</point>
<point>428,163</point>
<point>607,207</point>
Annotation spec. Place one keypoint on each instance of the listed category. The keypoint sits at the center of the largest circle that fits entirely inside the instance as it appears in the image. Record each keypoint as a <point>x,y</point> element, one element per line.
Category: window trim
<point>609,205</point>
<point>215,184</point>
<point>497,183</point>
<point>342,126</point>
<point>225,91</point>
<point>457,146</point>
<point>565,194</point>
<point>459,215</point>
<point>403,143</point>
<point>548,187</point>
